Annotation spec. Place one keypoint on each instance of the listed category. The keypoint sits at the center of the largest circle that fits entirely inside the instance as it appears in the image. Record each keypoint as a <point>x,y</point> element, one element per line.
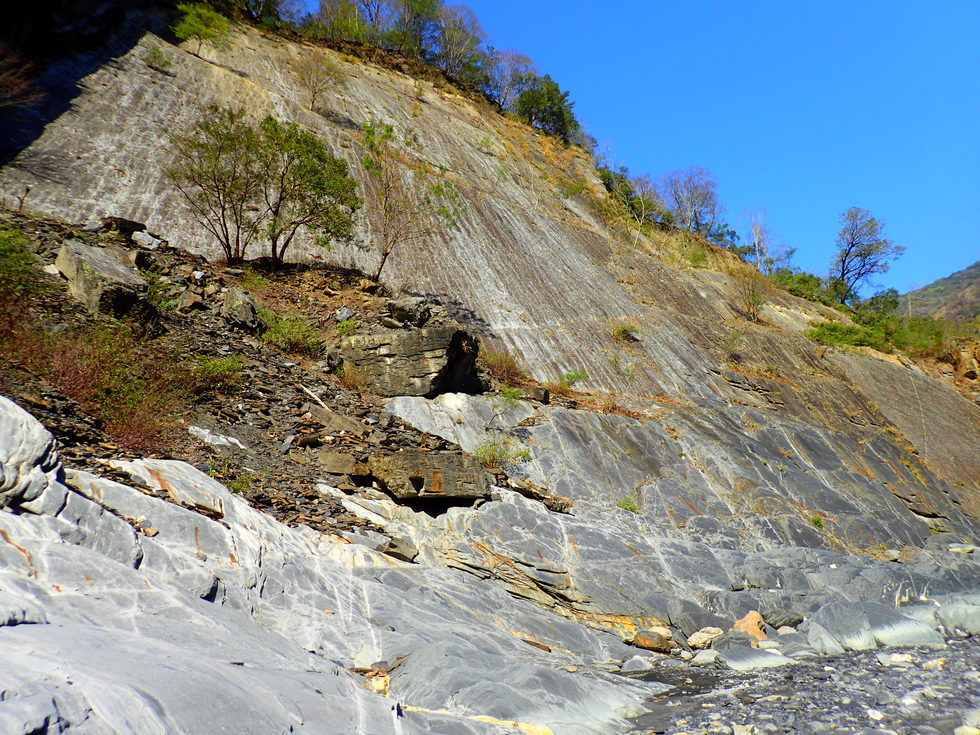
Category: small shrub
<point>486,144</point>
<point>251,279</point>
<point>157,290</point>
<point>569,188</point>
<point>241,484</point>
<point>19,275</point>
<point>628,504</point>
<point>804,285</point>
<point>817,522</point>
<point>696,256</point>
<point>832,333</point>
<point>752,291</point>
<point>563,386</point>
<point>221,374</point>
<point>156,59</point>
<point>500,454</point>
<point>350,377</point>
<point>291,332</point>
<point>346,328</point>
<point>134,387</point>
<point>502,366</point>
<point>625,333</point>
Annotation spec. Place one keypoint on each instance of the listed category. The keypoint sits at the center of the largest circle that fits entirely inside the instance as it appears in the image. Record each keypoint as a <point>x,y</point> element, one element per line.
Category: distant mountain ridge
<point>956,296</point>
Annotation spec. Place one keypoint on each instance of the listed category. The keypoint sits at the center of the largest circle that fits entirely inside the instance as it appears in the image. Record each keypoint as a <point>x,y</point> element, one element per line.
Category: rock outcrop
<point>99,280</point>
<point>111,597</point>
<point>419,362</point>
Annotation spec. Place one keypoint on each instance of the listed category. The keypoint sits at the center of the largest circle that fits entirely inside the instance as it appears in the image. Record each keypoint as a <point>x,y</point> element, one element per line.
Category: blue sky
<point>799,108</point>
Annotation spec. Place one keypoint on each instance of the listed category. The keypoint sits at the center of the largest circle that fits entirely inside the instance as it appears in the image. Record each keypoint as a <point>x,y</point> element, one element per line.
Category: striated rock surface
<point>129,613</point>
<point>531,268</point>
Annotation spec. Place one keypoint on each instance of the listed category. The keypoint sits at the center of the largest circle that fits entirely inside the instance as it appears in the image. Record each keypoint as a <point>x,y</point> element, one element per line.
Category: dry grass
<point>503,366</point>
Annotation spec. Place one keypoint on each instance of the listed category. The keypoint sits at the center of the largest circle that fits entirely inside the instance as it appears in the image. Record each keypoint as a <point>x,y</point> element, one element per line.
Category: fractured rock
<point>417,474</point>
<point>239,309</point>
<point>421,362</point>
<point>99,280</point>
<point>336,463</point>
<point>752,624</point>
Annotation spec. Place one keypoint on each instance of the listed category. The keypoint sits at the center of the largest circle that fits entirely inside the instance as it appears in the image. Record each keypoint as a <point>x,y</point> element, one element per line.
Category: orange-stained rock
<point>752,624</point>
<point>652,641</point>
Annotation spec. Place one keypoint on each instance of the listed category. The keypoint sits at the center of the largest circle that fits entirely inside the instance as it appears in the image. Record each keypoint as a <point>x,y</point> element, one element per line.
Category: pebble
<point>852,694</point>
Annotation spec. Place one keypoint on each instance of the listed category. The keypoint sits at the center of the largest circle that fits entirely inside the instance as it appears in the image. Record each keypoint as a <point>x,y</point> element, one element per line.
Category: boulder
<point>420,362</point>
<point>752,624</point>
<point>239,309</point>
<point>27,456</point>
<point>410,310</point>
<point>417,474</point>
<point>703,637</point>
<point>653,641</point>
<point>99,280</point>
<point>781,617</point>
<point>859,626</point>
<point>336,463</point>
<point>743,658</point>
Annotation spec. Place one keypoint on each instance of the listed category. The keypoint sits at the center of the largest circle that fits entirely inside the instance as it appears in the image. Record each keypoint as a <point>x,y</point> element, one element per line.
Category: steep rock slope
<point>531,266</point>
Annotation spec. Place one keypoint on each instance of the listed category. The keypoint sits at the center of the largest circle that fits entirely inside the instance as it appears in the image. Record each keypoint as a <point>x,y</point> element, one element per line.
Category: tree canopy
<point>862,252</point>
<point>244,182</point>
<point>202,24</point>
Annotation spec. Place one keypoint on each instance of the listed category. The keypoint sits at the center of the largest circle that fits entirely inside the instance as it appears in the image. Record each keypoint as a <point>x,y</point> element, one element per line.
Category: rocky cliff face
<point>755,470</point>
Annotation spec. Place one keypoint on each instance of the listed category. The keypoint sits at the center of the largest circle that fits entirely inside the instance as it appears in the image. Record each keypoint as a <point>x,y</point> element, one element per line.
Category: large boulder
<point>419,362</point>
<point>417,474</point>
<point>239,309</point>
<point>28,463</point>
<point>98,279</point>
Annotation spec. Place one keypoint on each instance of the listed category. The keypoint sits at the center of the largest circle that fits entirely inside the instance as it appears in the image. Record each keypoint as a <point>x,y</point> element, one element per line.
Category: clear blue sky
<point>800,108</point>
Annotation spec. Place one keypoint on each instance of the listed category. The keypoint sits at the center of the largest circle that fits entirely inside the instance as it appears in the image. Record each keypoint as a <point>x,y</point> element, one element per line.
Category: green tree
<point>302,186</point>
<point>544,106</point>
<point>216,170</point>
<point>243,181</point>
<point>862,252</point>
<point>202,24</point>
<point>415,27</point>
<point>341,20</point>
<point>413,208</point>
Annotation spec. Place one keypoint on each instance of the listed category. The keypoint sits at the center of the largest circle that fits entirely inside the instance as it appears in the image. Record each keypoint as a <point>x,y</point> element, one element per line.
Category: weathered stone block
<point>336,463</point>
<point>422,362</point>
<point>418,474</point>
<point>238,308</point>
<point>99,280</point>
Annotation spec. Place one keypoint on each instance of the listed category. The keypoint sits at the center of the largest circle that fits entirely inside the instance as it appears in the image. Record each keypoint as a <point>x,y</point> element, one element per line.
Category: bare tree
<point>862,251</point>
<point>639,197</point>
<point>412,209</point>
<point>692,198</point>
<point>318,75</point>
<point>752,290</point>
<point>511,72</point>
<point>460,38</point>
<point>377,14</point>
